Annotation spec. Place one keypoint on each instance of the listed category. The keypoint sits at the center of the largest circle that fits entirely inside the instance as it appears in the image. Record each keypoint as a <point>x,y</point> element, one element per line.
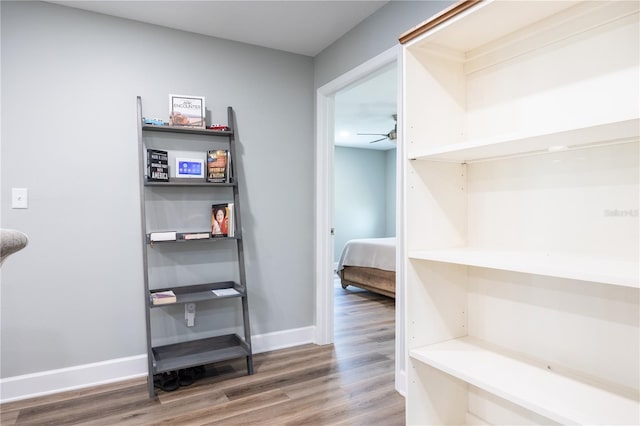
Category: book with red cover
<point>218,166</point>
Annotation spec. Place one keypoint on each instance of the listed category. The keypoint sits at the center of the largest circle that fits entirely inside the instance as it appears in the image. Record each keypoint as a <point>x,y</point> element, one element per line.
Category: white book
<point>163,236</point>
<point>197,236</point>
<point>232,224</point>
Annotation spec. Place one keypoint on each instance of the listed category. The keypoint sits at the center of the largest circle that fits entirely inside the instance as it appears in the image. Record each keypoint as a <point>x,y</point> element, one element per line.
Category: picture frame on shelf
<point>222,220</point>
<point>187,111</point>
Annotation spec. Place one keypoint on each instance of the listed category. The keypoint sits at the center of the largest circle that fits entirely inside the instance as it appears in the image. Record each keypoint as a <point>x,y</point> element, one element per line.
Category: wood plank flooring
<point>348,383</point>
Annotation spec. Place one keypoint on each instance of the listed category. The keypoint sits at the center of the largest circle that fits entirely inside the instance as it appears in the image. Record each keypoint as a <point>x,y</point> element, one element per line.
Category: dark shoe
<point>186,376</point>
<point>198,372</point>
<point>167,381</point>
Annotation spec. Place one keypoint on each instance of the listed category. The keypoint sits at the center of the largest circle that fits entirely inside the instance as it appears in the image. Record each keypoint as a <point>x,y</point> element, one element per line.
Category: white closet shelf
<point>540,390</point>
<point>528,144</point>
<point>618,272</point>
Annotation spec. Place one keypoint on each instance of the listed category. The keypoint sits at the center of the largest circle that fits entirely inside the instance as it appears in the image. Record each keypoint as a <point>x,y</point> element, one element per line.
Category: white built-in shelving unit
<point>522,130</point>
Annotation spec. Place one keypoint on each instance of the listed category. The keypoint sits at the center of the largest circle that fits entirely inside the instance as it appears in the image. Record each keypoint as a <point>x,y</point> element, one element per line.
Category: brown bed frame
<point>372,279</point>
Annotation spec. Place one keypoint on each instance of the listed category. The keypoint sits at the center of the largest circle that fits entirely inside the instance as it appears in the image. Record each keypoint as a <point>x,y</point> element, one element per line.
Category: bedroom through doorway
<point>324,200</point>
<point>364,205</point>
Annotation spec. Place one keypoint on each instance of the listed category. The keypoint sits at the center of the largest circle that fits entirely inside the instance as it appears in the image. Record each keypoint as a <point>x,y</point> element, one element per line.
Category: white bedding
<point>369,252</point>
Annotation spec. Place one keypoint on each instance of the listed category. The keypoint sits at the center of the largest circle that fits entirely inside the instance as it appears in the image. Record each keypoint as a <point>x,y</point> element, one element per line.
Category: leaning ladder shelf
<point>207,350</point>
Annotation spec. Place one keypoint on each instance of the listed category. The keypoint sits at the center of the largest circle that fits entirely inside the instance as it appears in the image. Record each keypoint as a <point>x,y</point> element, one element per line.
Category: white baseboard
<point>401,382</point>
<point>71,378</point>
<point>100,373</point>
<point>282,339</point>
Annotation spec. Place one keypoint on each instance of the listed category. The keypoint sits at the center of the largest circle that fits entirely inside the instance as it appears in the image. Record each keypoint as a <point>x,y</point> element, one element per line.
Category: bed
<point>369,263</point>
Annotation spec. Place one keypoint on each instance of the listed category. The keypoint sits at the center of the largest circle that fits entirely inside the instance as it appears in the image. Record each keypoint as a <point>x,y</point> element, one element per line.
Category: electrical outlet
<point>190,314</point>
<point>19,198</point>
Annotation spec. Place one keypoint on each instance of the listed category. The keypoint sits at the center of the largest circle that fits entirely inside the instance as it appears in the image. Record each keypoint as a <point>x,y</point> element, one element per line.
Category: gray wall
<point>69,81</point>
<point>372,36</point>
<point>364,196</point>
<point>390,192</point>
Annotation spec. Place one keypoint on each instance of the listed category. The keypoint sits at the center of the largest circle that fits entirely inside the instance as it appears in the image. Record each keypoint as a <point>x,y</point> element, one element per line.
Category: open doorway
<point>327,96</point>
<point>365,134</point>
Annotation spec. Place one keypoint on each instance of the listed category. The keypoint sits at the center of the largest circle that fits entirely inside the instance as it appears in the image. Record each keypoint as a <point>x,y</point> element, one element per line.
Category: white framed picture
<point>187,111</point>
<point>189,168</point>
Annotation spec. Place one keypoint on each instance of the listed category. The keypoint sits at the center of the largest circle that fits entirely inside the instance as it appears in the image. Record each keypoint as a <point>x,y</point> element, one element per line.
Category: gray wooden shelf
<point>180,239</point>
<point>199,292</point>
<point>187,130</point>
<point>187,182</point>
<point>199,352</point>
<point>195,352</point>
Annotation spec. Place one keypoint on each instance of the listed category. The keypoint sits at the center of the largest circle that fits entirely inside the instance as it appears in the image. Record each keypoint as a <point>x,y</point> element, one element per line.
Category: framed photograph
<point>186,111</point>
<point>189,168</point>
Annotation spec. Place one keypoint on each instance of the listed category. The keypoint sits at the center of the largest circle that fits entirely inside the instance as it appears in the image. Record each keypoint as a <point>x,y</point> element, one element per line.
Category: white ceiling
<point>367,107</point>
<point>304,27</point>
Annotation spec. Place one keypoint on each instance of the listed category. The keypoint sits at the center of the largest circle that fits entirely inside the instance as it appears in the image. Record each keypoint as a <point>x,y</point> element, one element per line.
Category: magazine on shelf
<point>218,166</point>
<point>222,223</point>
<point>157,165</point>
<point>187,111</point>
<point>225,292</point>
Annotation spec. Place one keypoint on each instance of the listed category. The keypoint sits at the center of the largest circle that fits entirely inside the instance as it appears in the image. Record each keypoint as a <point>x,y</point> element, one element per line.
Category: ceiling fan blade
<point>378,140</point>
<point>371,134</point>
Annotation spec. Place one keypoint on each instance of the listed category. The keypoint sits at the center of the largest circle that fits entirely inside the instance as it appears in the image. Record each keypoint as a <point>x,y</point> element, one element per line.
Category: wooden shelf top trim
<point>437,19</point>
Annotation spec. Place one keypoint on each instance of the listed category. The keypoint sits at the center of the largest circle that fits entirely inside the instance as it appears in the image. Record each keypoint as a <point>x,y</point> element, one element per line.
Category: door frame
<point>324,194</point>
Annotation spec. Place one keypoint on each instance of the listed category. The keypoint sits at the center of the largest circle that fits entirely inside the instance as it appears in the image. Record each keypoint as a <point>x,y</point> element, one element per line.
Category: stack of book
<point>163,297</point>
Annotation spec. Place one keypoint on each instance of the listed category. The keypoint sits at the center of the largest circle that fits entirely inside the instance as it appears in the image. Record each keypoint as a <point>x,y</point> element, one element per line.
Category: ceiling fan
<point>392,135</point>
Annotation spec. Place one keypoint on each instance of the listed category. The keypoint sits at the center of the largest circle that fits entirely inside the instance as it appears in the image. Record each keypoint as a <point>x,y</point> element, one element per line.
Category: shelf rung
<point>545,392</point>
<point>200,292</point>
<point>513,145</point>
<point>199,352</point>
<point>624,273</point>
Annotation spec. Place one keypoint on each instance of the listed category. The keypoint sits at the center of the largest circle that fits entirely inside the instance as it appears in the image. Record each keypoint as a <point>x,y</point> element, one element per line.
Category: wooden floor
<point>348,383</point>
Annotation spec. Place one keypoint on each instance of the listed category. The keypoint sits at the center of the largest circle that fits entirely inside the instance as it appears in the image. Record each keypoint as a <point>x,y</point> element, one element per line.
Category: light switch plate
<point>19,198</point>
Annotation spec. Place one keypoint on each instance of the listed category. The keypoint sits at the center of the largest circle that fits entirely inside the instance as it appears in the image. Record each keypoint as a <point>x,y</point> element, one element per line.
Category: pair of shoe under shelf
<point>172,380</point>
